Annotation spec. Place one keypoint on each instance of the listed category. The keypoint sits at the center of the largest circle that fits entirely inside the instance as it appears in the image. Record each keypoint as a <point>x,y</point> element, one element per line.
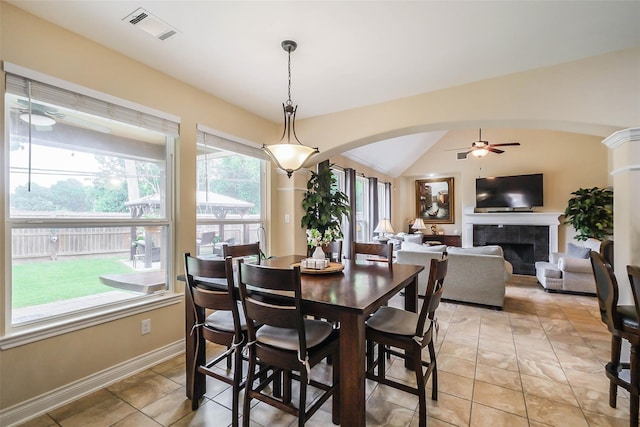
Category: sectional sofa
<point>475,275</point>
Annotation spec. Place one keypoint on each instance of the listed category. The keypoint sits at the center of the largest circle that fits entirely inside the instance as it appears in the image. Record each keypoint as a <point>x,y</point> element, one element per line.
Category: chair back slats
<point>378,249</point>
<point>236,251</point>
<point>606,291</point>
<point>265,303</point>
<point>217,299</point>
<point>433,295</point>
<point>634,279</point>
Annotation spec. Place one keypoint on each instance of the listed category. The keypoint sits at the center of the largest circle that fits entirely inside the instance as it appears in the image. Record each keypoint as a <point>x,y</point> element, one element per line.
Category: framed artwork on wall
<point>435,200</point>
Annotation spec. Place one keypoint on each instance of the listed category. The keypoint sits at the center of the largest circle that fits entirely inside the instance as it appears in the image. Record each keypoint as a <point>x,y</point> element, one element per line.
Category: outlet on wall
<point>145,327</point>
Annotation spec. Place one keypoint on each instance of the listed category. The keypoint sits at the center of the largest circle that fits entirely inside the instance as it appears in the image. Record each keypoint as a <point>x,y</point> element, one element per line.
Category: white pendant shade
<point>289,157</point>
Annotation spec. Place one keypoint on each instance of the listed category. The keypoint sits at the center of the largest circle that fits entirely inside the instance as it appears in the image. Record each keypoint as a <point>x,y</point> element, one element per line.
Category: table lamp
<point>418,225</point>
<point>384,226</point>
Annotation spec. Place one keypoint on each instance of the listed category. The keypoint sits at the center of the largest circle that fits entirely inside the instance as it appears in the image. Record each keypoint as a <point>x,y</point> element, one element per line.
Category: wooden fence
<point>51,242</point>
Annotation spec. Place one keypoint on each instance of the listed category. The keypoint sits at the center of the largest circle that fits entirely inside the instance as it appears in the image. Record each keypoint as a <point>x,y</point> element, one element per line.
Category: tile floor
<point>539,362</point>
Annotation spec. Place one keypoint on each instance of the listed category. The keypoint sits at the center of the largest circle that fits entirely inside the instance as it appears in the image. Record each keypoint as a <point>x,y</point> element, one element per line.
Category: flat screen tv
<point>517,192</point>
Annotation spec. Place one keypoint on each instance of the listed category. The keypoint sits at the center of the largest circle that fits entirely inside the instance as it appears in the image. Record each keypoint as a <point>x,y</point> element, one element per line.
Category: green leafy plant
<point>324,204</point>
<point>590,212</point>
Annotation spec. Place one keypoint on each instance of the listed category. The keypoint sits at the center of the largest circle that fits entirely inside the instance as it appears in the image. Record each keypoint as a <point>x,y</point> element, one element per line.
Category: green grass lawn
<point>42,282</point>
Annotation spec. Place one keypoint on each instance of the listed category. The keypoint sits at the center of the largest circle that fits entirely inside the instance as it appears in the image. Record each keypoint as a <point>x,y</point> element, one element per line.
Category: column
<point>625,145</point>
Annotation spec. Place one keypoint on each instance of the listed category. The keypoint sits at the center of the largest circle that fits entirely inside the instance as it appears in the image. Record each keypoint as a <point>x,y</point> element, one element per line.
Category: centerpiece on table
<point>325,207</point>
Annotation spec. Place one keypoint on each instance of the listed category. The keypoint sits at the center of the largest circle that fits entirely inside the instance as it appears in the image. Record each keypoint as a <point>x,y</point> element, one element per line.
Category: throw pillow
<point>413,238</point>
<point>575,251</point>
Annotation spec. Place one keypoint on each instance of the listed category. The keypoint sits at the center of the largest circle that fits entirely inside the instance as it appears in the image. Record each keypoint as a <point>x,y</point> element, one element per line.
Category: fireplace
<point>524,237</point>
<point>522,245</point>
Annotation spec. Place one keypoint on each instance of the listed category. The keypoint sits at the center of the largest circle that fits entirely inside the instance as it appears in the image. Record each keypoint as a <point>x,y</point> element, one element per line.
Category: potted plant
<point>590,212</point>
<point>324,208</point>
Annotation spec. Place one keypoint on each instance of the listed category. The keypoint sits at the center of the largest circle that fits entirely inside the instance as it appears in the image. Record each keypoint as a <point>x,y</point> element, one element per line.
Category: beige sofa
<point>475,275</point>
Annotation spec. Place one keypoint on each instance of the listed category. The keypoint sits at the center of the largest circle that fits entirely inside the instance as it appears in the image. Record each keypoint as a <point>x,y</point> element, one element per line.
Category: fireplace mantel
<point>550,219</point>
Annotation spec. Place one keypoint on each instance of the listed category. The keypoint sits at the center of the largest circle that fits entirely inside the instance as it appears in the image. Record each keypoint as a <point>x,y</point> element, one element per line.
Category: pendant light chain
<point>289,102</point>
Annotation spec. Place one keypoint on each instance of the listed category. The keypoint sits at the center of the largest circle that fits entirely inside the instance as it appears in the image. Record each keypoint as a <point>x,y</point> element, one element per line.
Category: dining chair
<point>622,322</point>
<point>226,326</point>
<point>332,250</point>
<point>381,250</point>
<point>287,341</point>
<point>405,334</point>
<point>249,249</point>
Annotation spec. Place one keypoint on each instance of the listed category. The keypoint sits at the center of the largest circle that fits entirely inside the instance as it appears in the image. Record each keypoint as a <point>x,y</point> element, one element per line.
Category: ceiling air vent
<point>462,156</point>
<point>150,24</point>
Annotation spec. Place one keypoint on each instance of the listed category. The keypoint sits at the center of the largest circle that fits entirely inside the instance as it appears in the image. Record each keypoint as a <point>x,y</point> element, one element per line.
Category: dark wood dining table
<point>349,297</point>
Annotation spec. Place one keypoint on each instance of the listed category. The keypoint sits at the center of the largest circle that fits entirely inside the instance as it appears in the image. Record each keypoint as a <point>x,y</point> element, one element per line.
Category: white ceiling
<point>350,53</point>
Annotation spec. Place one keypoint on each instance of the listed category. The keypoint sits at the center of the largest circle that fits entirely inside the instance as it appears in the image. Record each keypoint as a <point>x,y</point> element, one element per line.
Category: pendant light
<point>289,155</point>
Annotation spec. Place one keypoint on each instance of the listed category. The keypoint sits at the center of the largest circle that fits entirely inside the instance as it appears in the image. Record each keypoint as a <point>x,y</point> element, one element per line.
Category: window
<point>363,226</point>
<point>382,201</point>
<point>89,185</point>
<point>230,193</point>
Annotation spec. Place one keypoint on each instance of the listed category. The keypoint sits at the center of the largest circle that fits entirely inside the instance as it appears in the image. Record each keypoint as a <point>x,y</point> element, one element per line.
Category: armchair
<point>569,271</point>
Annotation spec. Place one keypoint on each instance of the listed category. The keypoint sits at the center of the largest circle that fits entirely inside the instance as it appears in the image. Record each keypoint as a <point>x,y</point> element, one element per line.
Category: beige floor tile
<point>169,408</point>
<point>553,390</point>
<point>498,346</point>
<point>597,381</point>
<point>137,419</point>
<point>143,388</point>
<point>499,360</point>
<point>101,405</point>
<point>497,376</point>
<point>450,409</point>
<point>598,402</point>
<point>453,384</point>
<point>553,413</point>
<point>390,394</point>
<point>460,351</point>
<point>482,416</point>
<point>456,366</point>
<point>543,370</point>
<point>501,398</point>
<point>210,414</point>
<point>383,412</point>
<point>599,420</point>
<point>41,421</point>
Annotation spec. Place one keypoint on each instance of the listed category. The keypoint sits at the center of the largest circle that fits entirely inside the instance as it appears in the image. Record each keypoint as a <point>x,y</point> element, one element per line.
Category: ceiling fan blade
<point>457,149</point>
<point>495,150</point>
<point>505,144</point>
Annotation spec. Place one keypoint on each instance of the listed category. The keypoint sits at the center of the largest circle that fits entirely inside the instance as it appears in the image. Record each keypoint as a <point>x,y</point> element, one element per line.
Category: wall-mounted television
<point>516,192</point>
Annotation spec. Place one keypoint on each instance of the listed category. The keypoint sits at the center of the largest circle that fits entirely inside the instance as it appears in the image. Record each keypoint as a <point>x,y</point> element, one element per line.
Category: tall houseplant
<point>324,207</point>
<point>590,212</point>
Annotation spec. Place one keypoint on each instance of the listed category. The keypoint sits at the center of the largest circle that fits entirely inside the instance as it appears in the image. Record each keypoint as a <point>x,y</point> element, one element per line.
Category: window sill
<point>30,334</point>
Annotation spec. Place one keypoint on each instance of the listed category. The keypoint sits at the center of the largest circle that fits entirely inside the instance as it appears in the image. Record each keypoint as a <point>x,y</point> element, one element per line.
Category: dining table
<point>347,295</point>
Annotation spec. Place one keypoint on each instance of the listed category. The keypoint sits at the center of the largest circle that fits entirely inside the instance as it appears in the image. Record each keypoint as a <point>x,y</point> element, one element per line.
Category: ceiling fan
<point>41,115</point>
<point>481,148</point>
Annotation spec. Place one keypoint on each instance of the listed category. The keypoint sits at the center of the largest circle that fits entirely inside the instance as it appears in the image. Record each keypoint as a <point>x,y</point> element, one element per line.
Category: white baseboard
<point>53,399</point>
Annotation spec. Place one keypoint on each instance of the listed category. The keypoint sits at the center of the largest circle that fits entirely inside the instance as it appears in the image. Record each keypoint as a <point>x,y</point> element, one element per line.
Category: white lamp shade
<point>289,157</point>
<point>384,226</point>
<point>418,224</point>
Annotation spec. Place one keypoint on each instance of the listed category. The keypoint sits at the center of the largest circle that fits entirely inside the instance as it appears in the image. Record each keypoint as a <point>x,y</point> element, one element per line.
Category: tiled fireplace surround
<point>525,237</point>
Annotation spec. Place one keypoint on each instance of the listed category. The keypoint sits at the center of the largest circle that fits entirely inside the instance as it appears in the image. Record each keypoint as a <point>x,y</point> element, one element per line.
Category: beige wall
<point>568,161</point>
<point>30,370</point>
<point>567,98</point>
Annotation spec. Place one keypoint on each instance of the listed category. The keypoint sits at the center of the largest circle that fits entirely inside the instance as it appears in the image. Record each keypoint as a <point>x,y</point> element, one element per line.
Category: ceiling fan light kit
<point>289,156</point>
<point>37,119</point>
<point>481,148</point>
